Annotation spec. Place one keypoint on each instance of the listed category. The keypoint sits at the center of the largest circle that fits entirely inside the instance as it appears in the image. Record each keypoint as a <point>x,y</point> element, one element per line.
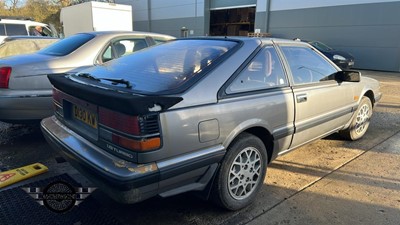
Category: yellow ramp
<point>22,173</point>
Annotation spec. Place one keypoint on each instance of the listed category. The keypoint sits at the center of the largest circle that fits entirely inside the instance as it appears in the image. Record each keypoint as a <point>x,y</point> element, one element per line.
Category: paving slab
<point>366,190</point>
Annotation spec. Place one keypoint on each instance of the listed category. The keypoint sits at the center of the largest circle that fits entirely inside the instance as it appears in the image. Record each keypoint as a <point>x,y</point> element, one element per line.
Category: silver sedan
<point>25,91</point>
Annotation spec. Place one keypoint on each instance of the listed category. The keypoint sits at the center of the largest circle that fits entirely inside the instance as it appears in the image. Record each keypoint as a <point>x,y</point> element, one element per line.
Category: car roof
<point>27,22</point>
<point>249,39</point>
<point>20,37</point>
<point>119,33</point>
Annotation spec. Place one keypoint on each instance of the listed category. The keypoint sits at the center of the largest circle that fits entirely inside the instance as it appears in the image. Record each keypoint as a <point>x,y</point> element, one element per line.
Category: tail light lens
<point>137,133</point>
<point>118,121</point>
<point>5,73</point>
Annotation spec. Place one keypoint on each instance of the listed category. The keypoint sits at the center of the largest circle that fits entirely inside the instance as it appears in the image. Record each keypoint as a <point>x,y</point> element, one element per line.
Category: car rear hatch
<point>121,123</point>
<point>117,105</point>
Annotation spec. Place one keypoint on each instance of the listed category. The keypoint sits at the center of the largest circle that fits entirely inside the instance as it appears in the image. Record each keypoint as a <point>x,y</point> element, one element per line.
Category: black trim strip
<point>27,96</point>
<point>319,121</point>
<point>283,132</point>
<point>190,165</point>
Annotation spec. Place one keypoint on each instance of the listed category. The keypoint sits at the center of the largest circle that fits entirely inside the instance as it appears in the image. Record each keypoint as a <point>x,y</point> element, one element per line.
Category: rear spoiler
<point>128,103</point>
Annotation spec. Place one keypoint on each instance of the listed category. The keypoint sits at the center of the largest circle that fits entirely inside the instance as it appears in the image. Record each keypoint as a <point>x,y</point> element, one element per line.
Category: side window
<point>307,66</point>
<point>263,72</point>
<point>16,29</point>
<point>107,55</point>
<point>122,47</point>
<point>47,31</point>
<point>2,31</point>
<point>139,44</point>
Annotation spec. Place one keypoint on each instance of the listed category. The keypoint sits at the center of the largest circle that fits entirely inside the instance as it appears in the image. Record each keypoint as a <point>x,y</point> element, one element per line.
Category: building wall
<point>168,17</point>
<point>370,31</point>
<point>223,4</point>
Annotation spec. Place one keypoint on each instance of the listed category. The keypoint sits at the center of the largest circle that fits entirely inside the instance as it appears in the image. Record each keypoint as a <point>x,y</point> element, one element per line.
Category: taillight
<point>131,132</point>
<point>5,73</point>
<point>145,144</point>
<point>118,121</point>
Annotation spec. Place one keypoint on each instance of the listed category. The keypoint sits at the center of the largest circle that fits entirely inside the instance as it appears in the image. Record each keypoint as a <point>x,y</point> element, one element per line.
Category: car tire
<point>360,121</point>
<point>241,174</point>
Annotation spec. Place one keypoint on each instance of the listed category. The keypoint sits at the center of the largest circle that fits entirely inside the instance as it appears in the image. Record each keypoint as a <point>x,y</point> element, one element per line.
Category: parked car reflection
<point>341,58</point>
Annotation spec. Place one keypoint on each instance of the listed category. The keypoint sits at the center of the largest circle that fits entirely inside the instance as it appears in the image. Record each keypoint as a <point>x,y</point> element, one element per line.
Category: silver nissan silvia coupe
<point>203,114</point>
<point>25,91</point>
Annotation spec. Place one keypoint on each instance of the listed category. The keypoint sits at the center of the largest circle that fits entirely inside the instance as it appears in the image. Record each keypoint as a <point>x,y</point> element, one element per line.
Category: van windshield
<point>67,45</point>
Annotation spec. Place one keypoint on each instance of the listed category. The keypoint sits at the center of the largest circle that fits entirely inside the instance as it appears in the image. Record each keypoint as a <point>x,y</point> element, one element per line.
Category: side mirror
<point>348,76</point>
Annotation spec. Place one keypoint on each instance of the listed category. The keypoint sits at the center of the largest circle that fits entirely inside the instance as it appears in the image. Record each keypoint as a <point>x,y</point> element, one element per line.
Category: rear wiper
<point>113,81</point>
<point>88,76</point>
<point>118,81</point>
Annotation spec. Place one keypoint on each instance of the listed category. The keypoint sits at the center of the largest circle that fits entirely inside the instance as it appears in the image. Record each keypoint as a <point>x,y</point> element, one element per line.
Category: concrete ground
<point>330,181</point>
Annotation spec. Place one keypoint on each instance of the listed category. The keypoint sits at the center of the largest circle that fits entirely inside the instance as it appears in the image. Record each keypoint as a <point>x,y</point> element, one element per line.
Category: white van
<point>12,26</point>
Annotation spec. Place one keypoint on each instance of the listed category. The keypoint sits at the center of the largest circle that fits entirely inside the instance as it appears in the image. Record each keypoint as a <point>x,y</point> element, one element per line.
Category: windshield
<point>320,46</point>
<point>164,67</point>
<point>67,45</point>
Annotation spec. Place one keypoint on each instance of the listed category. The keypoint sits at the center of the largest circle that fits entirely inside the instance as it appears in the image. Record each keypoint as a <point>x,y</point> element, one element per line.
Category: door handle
<point>301,98</point>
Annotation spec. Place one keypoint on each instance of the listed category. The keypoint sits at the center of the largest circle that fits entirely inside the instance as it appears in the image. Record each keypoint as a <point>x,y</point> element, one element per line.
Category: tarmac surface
<point>330,181</point>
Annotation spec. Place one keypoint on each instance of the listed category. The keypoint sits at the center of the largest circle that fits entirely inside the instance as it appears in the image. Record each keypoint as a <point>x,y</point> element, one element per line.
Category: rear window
<point>67,45</point>
<point>16,29</point>
<point>165,67</point>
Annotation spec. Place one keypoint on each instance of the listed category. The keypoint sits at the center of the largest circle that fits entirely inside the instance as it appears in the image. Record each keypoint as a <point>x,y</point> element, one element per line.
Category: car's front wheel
<point>241,174</point>
<point>360,121</point>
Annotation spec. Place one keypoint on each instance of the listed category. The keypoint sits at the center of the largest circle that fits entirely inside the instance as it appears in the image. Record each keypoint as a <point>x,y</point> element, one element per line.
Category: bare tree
<point>12,4</point>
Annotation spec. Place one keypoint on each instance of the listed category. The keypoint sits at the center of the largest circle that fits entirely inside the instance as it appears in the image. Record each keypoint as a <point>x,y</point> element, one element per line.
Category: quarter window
<point>307,66</point>
<point>263,72</point>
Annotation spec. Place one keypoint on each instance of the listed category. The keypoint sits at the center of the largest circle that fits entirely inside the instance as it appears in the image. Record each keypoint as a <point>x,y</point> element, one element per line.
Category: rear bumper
<point>25,105</point>
<point>125,181</point>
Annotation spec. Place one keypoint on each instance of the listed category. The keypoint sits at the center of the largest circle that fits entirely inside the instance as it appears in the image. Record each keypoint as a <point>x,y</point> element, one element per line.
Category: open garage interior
<point>232,22</point>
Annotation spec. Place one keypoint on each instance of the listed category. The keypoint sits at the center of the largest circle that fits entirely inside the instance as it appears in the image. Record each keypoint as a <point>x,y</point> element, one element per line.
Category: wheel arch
<point>370,95</point>
<point>263,134</point>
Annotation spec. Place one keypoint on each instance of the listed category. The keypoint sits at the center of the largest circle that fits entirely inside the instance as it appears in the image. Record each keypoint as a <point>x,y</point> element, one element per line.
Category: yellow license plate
<point>85,116</point>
